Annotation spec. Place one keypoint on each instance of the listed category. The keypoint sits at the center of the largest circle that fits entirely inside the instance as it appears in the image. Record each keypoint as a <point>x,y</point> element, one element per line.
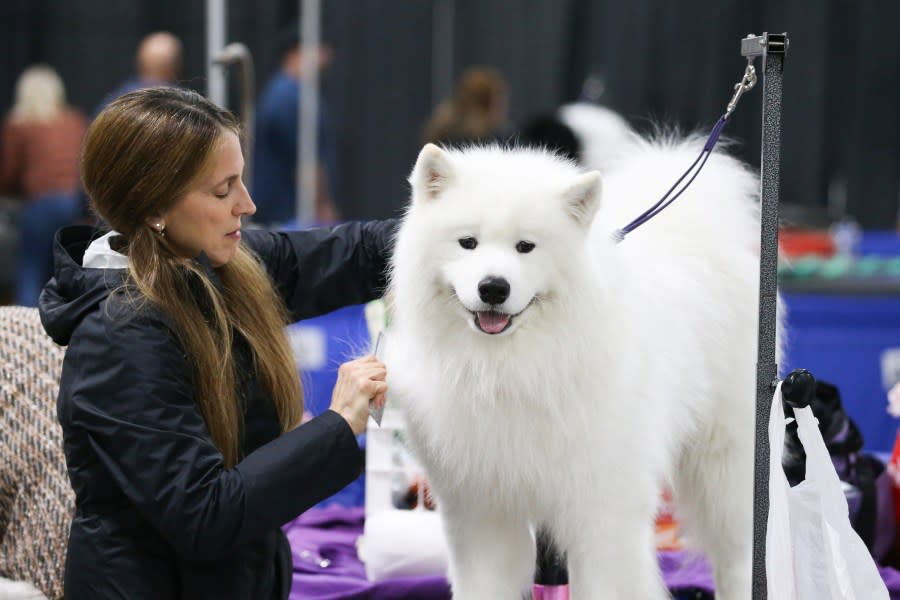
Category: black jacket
<point>157,516</point>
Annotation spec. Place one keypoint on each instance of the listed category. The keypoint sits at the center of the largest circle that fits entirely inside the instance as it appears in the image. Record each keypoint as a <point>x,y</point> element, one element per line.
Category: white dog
<point>553,378</point>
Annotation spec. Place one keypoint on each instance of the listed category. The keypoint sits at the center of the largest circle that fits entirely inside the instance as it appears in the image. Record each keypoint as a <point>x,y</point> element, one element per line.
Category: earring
<point>160,228</point>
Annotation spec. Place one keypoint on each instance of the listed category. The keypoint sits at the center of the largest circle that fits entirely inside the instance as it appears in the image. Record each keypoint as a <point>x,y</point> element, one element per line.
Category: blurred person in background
<point>476,112</point>
<point>39,147</point>
<point>276,141</point>
<point>157,61</point>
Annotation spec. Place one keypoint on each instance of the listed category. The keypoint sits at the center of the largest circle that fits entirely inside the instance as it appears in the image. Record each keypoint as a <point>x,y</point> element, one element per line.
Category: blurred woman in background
<point>476,112</point>
<point>39,147</point>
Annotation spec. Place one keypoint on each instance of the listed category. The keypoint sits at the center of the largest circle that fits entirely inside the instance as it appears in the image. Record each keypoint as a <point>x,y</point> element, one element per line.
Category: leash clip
<point>745,84</point>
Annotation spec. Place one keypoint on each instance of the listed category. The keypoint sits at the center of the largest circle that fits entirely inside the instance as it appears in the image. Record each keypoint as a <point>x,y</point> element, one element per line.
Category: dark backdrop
<point>673,61</point>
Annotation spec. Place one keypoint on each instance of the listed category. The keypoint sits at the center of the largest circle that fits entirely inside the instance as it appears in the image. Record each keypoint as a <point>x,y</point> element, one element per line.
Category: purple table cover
<point>323,542</point>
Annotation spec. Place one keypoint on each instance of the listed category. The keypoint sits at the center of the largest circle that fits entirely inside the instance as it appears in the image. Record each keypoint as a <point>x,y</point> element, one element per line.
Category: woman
<point>39,163</point>
<point>475,113</point>
<point>179,398</point>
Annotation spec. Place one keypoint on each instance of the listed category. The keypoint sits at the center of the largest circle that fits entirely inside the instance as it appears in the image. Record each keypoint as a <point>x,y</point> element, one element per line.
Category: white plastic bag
<point>812,551</point>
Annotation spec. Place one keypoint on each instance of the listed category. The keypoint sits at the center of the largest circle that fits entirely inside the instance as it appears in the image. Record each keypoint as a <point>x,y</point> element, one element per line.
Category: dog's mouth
<point>492,322</point>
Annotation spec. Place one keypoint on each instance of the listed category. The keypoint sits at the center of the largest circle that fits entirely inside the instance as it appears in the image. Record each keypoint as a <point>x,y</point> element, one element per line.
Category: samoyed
<point>553,378</point>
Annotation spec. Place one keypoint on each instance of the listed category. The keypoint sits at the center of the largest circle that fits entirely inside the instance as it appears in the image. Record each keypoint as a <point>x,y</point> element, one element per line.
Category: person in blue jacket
<point>275,141</point>
<point>179,399</point>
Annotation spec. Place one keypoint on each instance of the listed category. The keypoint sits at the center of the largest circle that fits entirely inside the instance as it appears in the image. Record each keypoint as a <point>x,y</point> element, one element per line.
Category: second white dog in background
<point>552,378</point>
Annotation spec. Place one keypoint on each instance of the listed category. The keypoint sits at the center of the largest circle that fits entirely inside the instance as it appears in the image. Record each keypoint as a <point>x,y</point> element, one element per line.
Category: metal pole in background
<point>238,53</point>
<point>308,115</point>
<point>772,48</point>
<point>442,31</point>
<point>216,24</point>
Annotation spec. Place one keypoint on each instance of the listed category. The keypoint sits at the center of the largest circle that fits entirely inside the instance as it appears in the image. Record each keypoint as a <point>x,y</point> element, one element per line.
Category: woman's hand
<point>358,382</point>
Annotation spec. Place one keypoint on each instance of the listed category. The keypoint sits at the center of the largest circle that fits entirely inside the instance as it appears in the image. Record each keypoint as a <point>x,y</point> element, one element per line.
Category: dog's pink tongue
<point>492,322</point>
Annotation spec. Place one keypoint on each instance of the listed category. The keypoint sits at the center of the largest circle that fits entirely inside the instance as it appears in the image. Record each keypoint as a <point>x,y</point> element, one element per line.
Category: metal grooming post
<point>772,48</point>
<point>308,113</point>
<point>237,53</point>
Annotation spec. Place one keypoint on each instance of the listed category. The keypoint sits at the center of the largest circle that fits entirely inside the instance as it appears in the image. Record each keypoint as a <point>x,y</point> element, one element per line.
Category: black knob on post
<point>798,388</point>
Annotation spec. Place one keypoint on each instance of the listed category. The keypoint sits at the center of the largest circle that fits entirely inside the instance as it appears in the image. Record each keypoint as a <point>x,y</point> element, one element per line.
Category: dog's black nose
<point>493,290</point>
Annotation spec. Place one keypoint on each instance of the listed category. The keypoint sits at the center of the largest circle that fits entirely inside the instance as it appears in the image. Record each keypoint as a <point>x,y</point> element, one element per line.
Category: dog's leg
<point>615,559</point>
<point>714,496</point>
<point>491,555</point>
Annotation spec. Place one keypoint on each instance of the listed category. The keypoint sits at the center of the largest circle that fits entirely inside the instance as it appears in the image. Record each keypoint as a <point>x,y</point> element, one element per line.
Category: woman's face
<point>208,216</point>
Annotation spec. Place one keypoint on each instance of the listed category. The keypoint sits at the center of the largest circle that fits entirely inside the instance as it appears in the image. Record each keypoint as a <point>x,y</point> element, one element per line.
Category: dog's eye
<point>524,247</point>
<point>468,243</point>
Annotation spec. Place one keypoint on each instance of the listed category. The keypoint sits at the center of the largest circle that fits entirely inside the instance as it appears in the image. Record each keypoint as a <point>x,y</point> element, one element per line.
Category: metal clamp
<point>745,84</point>
<point>767,43</point>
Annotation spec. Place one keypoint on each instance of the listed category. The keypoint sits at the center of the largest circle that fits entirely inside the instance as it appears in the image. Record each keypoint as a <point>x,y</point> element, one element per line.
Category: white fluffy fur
<point>629,365</point>
<point>19,590</point>
<point>603,133</point>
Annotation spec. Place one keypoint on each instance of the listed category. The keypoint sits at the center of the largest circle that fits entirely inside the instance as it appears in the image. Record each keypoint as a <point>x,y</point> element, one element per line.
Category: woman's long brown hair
<point>140,156</point>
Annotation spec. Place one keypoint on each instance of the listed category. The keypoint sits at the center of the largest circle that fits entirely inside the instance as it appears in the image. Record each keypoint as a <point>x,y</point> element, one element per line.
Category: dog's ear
<point>583,197</point>
<point>432,173</point>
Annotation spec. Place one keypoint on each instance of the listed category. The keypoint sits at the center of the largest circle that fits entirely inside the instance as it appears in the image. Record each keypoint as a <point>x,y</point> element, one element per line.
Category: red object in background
<point>412,494</point>
<point>794,243</point>
<point>893,468</point>
<point>667,526</point>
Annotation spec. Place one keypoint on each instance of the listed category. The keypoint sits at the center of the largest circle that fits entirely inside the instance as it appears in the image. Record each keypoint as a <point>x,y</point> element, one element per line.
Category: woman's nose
<point>245,205</point>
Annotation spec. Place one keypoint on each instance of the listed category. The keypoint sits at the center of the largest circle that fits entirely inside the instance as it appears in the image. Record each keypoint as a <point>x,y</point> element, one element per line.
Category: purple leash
<point>746,83</point>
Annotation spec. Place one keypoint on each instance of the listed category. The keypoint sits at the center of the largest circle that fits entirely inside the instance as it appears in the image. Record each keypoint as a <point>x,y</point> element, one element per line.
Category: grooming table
<point>331,533</point>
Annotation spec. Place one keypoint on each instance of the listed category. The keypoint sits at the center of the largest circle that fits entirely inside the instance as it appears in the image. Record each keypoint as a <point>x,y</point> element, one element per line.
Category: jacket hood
<point>74,292</point>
